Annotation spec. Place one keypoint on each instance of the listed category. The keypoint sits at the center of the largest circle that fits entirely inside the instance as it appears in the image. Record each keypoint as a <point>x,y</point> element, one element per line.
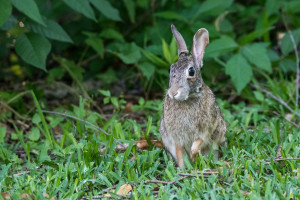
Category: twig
<point>167,182</point>
<point>281,159</point>
<point>141,145</point>
<point>84,121</point>
<point>22,173</point>
<point>276,113</point>
<point>14,111</point>
<point>278,99</point>
<point>207,172</point>
<point>184,176</point>
<point>297,58</point>
<point>128,196</point>
<point>86,61</point>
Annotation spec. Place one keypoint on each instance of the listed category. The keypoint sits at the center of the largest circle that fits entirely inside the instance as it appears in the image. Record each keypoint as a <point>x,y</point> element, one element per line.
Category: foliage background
<point>116,55</point>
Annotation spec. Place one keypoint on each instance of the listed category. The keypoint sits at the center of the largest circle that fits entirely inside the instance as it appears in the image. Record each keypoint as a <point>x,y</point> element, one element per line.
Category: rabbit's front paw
<point>196,147</point>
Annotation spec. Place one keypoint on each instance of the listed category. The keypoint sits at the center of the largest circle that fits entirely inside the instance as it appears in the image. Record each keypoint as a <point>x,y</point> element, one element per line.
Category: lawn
<point>60,157</point>
<point>82,84</point>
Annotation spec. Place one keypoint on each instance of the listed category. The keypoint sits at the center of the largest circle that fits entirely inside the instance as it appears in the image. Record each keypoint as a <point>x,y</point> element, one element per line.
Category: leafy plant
<point>118,103</point>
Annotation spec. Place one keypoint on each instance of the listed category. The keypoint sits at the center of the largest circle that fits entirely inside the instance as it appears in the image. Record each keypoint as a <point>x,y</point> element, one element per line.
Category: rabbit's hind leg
<point>179,155</point>
<point>196,147</point>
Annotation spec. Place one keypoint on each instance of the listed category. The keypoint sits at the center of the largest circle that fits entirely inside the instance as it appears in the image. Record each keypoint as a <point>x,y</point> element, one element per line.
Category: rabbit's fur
<point>191,119</point>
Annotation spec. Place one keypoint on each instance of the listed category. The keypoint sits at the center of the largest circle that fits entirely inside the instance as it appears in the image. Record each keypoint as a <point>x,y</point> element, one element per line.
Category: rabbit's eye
<point>191,71</point>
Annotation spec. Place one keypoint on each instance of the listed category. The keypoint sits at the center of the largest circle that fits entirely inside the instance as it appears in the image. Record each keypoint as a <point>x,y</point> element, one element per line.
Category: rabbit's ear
<point>180,41</point>
<point>201,39</point>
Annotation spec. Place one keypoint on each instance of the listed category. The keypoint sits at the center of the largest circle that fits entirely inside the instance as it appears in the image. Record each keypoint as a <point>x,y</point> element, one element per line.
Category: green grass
<point>65,160</point>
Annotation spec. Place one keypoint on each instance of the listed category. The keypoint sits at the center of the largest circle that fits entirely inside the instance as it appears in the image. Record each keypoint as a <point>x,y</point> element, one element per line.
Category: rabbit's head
<point>185,74</point>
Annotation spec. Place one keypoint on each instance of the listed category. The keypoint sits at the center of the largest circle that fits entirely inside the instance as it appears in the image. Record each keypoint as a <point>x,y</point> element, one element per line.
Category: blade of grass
<point>24,145</point>
<point>45,125</point>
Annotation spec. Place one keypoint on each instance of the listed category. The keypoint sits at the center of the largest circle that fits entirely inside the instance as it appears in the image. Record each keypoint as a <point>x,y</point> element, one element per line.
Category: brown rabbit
<point>191,119</point>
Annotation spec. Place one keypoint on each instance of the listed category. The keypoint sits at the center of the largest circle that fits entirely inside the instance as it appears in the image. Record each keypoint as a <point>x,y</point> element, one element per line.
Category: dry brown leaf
<point>124,189</point>
<point>128,108</point>
<point>143,144</point>
<point>5,195</point>
<point>26,196</point>
<point>47,196</point>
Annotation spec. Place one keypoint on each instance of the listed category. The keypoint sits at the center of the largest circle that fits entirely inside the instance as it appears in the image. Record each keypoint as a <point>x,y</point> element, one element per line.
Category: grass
<point>65,162</point>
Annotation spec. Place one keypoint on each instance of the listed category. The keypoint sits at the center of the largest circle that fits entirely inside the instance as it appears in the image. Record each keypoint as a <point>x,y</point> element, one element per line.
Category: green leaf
<point>147,69</point>
<point>166,52</point>
<point>173,49</point>
<point>214,7</point>
<point>4,172</point>
<point>220,46</point>
<point>114,101</point>
<point>36,119</point>
<point>33,49</point>
<point>253,35</point>
<point>288,65</point>
<point>272,6</point>
<point>30,9</point>
<point>106,100</point>
<point>171,15</point>
<point>97,44</point>
<point>82,7</point>
<point>129,4</point>
<point>5,11</point>
<point>154,59</point>
<point>44,155</point>
<point>292,6</point>
<point>112,34</point>
<point>105,92</point>
<point>128,53</point>
<point>52,30</point>
<point>286,42</point>
<point>273,55</point>
<point>240,71</point>
<point>10,23</point>
<point>259,96</point>
<point>107,9</point>
<point>2,134</point>
<point>34,135</point>
<point>257,55</point>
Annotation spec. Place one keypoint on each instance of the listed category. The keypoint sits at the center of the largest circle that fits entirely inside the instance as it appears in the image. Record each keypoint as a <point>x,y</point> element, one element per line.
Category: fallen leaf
<point>124,189</point>
<point>47,196</point>
<point>5,195</point>
<point>128,108</point>
<point>143,144</point>
<point>26,196</point>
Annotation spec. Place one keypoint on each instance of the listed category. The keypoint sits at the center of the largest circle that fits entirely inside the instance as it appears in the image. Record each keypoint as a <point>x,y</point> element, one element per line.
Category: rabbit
<point>191,120</point>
